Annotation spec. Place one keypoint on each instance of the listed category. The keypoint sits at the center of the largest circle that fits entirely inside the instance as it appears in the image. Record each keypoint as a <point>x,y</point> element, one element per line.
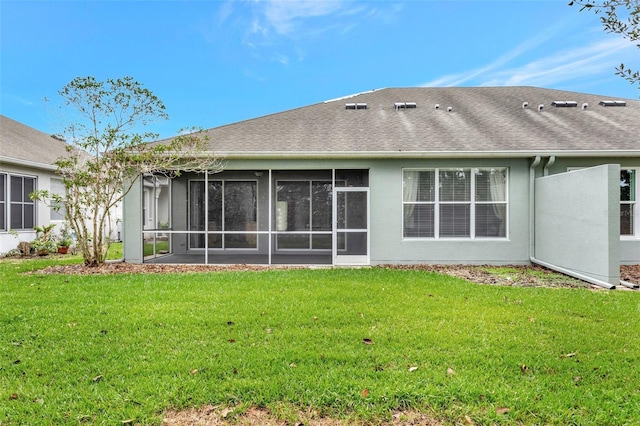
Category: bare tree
<point>107,152</point>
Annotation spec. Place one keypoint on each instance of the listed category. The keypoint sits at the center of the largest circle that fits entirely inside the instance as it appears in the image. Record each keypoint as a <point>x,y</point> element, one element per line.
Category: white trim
<point>472,203</point>
<point>27,163</point>
<point>326,155</point>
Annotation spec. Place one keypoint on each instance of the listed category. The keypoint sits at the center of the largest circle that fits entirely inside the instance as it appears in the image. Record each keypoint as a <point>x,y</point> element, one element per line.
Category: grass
<point>108,349</point>
<point>159,246</point>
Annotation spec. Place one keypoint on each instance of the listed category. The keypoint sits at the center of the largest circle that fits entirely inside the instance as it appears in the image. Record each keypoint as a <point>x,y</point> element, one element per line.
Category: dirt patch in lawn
<point>217,416</point>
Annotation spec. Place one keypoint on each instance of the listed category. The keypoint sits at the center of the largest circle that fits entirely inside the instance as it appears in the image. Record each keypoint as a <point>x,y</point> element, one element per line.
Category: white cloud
<point>589,60</point>
<point>20,100</point>
<point>284,16</point>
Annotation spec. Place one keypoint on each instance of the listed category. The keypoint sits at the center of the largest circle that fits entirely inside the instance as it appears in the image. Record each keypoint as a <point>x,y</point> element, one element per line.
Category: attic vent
<point>58,137</point>
<point>405,105</point>
<point>355,106</point>
<point>613,103</point>
<point>564,104</point>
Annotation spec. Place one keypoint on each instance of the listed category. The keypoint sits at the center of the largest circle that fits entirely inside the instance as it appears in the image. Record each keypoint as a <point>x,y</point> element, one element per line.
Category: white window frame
<point>10,203</point>
<point>636,206</point>
<point>636,203</point>
<point>472,203</point>
<point>3,203</point>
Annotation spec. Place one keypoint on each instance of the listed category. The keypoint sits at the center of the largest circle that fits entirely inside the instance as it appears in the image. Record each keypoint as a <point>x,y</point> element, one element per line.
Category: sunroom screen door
<point>351,226</point>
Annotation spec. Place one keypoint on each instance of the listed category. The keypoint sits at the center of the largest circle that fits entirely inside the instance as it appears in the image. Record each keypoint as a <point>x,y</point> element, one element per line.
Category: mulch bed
<point>521,276</point>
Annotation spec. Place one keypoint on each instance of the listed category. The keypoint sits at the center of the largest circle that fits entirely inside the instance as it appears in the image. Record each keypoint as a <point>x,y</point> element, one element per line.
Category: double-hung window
<point>3,202</point>
<point>22,209</point>
<point>455,203</point>
<point>628,202</point>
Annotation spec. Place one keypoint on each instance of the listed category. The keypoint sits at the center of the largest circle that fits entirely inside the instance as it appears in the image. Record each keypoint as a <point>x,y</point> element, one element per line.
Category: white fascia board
<point>314,155</point>
<point>27,163</point>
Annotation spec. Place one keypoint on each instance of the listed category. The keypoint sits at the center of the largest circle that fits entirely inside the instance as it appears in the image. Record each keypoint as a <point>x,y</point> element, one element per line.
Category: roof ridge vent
<point>613,103</point>
<point>564,104</point>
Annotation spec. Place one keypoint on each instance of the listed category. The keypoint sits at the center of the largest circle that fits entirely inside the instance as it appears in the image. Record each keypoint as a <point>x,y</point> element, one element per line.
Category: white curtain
<point>497,180</point>
<point>409,194</point>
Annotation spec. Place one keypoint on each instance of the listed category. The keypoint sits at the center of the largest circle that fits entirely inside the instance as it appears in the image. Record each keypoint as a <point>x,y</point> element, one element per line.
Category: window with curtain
<point>628,199</point>
<point>455,203</point>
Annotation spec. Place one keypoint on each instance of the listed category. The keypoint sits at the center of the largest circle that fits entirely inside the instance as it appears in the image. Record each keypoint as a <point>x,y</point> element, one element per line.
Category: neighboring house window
<point>3,202</point>
<point>57,212</point>
<point>232,210</point>
<point>628,202</point>
<point>22,210</point>
<point>303,214</point>
<point>455,203</point>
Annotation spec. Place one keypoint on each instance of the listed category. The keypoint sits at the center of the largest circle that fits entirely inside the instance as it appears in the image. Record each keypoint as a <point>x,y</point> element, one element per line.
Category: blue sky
<point>218,62</point>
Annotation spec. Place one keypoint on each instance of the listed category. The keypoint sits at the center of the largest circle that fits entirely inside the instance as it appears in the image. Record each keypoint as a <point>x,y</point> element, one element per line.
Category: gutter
<point>27,163</point>
<point>325,155</point>
<point>532,244</point>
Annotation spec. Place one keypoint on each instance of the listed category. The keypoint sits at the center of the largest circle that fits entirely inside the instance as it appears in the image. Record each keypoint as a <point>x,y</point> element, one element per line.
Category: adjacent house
<point>27,158</point>
<point>26,165</point>
<point>478,175</point>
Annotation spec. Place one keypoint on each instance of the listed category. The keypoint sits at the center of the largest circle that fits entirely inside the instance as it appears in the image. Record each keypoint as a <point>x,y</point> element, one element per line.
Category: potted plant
<point>64,244</point>
<point>65,241</point>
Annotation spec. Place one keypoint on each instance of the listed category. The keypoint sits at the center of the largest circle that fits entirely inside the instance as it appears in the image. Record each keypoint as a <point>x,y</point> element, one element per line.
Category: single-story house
<point>27,158</point>
<point>26,165</point>
<point>477,175</point>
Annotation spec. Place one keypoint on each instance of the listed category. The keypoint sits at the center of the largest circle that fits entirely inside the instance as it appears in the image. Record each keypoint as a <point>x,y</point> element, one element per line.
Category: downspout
<point>550,161</point>
<point>532,243</point>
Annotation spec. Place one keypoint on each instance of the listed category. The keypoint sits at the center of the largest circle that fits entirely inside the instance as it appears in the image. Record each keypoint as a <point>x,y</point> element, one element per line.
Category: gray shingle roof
<point>483,120</point>
<point>26,144</point>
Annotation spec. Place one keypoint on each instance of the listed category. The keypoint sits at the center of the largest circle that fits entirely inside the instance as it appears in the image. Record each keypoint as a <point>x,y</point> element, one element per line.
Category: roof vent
<point>585,105</point>
<point>540,107</point>
<point>405,105</point>
<point>613,103</point>
<point>355,106</point>
<point>437,106</point>
<point>449,109</point>
<point>525,105</point>
<point>564,104</point>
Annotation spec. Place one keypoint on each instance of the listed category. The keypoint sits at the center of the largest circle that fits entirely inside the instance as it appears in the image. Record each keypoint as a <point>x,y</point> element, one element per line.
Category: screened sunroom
<point>257,217</point>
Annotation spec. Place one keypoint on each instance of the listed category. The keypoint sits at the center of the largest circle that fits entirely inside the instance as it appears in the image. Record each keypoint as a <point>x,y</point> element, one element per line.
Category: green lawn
<point>107,349</point>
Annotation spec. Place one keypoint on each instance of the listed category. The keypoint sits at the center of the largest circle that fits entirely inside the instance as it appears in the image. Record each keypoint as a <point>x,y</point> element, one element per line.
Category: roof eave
<point>350,155</point>
<point>27,163</point>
